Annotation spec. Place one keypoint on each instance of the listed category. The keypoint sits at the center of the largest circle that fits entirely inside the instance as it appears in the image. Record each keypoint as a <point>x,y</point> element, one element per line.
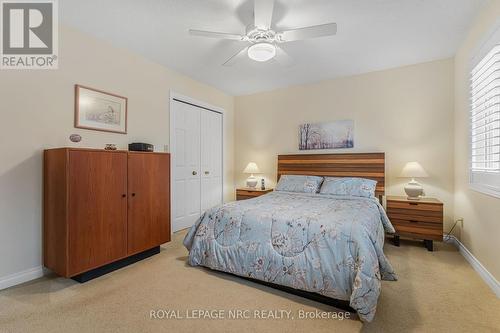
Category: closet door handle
<point>207,172</point>
<point>133,194</point>
<point>194,173</point>
<point>124,195</point>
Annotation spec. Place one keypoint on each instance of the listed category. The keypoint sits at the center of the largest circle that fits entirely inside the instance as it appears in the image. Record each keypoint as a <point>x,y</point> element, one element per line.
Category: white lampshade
<point>251,168</point>
<point>413,170</point>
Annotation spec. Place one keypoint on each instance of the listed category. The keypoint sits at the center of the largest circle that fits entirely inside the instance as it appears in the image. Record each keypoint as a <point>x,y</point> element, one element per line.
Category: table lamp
<point>251,169</point>
<point>414,189</point>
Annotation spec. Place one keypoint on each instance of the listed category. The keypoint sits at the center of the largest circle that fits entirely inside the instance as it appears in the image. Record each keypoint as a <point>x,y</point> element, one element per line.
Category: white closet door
<point>185,148</point>
<point>211,159</point>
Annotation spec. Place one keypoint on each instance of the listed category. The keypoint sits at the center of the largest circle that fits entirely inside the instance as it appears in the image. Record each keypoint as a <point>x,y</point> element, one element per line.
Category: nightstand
<point>249,193</point>
<point>418,219</point>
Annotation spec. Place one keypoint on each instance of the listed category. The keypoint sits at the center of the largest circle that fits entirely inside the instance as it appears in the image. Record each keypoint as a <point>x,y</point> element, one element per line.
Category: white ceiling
<point>372,35</point>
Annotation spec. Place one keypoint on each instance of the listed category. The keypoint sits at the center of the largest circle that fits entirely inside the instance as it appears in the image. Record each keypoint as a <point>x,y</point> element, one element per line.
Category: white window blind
<point>485,115</point>
<point>485,121</point>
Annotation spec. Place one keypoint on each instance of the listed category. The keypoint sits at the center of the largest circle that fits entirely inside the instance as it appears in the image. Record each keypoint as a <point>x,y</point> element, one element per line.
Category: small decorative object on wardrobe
<point>110,146</point>
<point>75,138</point>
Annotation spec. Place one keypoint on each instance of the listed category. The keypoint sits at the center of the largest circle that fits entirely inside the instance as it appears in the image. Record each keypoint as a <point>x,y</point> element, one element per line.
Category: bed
<point>321,244</point>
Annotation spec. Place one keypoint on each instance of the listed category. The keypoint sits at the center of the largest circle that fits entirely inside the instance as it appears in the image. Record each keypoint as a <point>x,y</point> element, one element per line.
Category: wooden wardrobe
<point>103,206</point>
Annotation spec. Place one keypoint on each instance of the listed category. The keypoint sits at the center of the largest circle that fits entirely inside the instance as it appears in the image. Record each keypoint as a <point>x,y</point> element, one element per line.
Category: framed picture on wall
<point>331,135</point>
<point>99,110</point>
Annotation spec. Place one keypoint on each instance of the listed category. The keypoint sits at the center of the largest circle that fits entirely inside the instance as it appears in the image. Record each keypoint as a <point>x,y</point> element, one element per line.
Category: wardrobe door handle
<point>194,173</point>
<point>207,172</point>
<point>124,195</point>
<point>133,194</point>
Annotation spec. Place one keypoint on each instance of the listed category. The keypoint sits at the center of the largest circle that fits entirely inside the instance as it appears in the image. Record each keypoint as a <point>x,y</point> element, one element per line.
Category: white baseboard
<point>478,267</point>
<point>21,277</point>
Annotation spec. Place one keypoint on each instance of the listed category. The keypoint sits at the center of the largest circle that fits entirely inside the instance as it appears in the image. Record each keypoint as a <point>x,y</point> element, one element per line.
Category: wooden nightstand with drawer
<point>249,193</point>
<point>418,219</point>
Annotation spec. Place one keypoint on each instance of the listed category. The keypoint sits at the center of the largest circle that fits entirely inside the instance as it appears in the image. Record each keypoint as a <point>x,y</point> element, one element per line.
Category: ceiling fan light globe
<point>262,52</point>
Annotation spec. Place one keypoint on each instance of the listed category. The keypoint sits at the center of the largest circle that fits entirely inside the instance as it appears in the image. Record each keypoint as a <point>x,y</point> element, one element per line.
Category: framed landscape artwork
<point>99,110</point>
<point>332,135</point>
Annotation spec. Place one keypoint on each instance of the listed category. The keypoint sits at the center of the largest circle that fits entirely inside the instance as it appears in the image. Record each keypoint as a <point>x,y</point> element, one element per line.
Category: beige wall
<point>37,113</point>
<point>406,113</point>
<point>481,212</point>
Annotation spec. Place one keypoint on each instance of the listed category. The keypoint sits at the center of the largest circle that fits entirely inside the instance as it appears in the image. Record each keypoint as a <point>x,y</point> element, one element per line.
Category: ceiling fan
<point>264,41</point>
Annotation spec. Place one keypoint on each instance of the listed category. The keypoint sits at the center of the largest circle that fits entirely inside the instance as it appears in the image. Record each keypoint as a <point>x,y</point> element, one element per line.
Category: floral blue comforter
<point>325,244</point>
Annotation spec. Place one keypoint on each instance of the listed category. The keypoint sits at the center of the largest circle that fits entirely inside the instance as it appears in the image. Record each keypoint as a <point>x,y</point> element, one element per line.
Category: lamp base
<point>414,190</point>
<point>252,182</point>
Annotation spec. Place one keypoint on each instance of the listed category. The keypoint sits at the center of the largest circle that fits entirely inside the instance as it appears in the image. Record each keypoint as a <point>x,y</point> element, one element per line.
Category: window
<point>485,120</point>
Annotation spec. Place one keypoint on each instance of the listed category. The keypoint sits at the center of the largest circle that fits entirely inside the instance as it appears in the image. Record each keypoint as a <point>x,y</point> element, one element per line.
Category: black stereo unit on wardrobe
<point>138,146</point>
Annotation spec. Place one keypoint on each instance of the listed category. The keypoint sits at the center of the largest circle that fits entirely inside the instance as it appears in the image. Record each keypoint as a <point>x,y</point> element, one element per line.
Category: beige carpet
<point>436,292</point>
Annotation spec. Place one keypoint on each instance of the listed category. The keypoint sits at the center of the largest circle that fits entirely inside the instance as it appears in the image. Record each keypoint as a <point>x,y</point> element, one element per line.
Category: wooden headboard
<point>363,165</point>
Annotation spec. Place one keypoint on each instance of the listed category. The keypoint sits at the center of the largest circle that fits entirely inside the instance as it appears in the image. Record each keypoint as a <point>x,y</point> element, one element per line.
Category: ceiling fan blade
<point>214,34</point>
<point>283,58</point>
<point>315,31</point>
<point>263,12</point>
<point>235,58</point>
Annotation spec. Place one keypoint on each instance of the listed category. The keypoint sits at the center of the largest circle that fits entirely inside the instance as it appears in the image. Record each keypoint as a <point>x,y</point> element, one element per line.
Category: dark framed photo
<point>99,110</point>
